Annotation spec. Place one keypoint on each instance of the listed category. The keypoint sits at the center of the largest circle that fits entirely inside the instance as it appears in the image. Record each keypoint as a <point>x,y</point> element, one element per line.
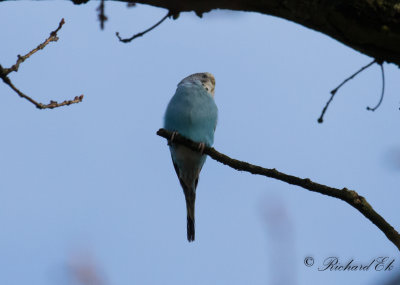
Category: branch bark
<point>371,27</point>
<point>4,72</point>
<point>349,196</point>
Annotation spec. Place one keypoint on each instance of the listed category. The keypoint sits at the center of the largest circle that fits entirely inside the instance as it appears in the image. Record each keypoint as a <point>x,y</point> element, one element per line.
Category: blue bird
<point>193,114</point>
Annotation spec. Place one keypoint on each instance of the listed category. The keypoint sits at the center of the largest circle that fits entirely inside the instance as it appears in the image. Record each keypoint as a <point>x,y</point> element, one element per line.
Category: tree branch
<point>349,196</point>
<point>370,27</point>
<point>52,38</point>
<point>333,92</point>
<point>102,16</point>
<point>127,40</point>
<point>382,92</point>
<point>5,71</point>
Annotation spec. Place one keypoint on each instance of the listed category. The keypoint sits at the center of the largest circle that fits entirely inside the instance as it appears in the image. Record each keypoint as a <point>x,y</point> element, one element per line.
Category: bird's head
<point>206,79</point>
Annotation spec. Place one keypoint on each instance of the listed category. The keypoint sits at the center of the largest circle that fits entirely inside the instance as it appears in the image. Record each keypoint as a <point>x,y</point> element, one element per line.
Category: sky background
<point>92,186</point>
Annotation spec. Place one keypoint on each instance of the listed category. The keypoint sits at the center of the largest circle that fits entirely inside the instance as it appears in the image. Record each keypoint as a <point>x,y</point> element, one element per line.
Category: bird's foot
<point>201,147</point>
<point>172,138</point>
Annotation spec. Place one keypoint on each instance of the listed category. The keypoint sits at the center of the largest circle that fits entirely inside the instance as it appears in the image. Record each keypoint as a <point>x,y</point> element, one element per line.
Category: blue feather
<point>192,113</point>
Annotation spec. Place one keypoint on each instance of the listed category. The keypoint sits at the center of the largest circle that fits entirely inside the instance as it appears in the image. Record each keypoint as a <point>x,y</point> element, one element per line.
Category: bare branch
<point>51,105</point>
<point>382,93</point>
<point>333,92</point>
<point>102,17</point>
<point>374,24</point>
<point>5,71</point>
<point>52,38</point>
<point>349,196</point>
<point>127,40</point>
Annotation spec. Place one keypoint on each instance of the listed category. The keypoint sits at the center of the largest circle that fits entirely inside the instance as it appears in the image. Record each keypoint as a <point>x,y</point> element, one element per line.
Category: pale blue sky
<point>95,178</point>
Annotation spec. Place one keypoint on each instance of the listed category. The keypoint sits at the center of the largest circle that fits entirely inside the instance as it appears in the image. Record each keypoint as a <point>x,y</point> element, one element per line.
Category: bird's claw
<point>201,147</point>
<point>172,137</point>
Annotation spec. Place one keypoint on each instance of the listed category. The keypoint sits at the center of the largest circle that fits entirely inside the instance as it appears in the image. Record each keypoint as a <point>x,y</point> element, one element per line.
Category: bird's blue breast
<point>192,113</point>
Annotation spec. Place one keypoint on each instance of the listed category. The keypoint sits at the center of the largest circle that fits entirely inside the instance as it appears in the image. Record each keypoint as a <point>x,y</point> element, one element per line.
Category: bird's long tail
<point>190,203</point>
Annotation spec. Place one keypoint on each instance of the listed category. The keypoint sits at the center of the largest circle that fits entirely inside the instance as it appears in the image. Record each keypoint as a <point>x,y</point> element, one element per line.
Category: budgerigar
<point>193,114</point>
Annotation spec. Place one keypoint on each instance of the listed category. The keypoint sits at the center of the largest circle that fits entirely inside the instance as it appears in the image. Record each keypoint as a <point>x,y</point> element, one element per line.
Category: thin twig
<point>52,38</point>
<point>349,196</point>
<point>102,17</point>
<point>5,71</point>
<point>333,92</point>
<point>382,93</point>
<point>51,105</point>
<point>127,40</point>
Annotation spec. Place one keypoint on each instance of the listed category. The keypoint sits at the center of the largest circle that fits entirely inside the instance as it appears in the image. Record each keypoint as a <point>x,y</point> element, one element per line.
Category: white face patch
<point>209,87</point>
<point>206,79</point>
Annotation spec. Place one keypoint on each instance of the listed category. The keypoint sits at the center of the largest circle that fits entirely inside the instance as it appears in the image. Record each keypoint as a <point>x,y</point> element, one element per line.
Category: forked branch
<point>333,92</point>
<point>4,72</point>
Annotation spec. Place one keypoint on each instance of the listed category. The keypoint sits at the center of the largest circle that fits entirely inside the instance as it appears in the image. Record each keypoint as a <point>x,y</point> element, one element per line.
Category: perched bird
<point>193,114</point>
